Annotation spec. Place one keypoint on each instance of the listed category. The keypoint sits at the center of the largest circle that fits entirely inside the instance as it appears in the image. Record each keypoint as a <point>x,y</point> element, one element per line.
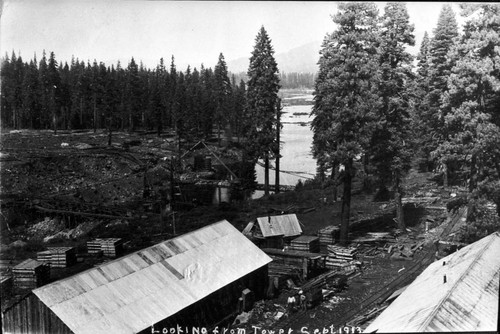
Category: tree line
<point>47,95</point>
<point>81,95</point>
<point>374,113</point>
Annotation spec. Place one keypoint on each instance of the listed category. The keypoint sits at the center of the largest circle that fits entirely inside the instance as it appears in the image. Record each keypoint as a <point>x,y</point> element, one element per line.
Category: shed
<point>457,293</point>
<point>274,231</point>
<point>192,280</point>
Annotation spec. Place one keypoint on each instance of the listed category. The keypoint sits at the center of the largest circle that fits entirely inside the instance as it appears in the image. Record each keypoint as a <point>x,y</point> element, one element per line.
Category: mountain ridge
<point>301,59</point>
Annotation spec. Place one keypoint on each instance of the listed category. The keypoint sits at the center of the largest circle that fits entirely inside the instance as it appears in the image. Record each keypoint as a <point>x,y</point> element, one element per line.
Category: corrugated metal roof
<point>130,294</point>
<point>468,301</point>
<point>285,225</point>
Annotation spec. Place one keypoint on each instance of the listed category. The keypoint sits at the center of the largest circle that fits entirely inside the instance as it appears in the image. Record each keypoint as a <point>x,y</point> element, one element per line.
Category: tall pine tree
<point>390,143</point>
<point>262,97</point>
<point>473,122</point>
<point>222,95</point>
<point>346,93</point>
<point>440,65</point>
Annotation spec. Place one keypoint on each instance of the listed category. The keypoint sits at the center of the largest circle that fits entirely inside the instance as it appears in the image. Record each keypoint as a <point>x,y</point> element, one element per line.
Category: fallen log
<point>86,214</point>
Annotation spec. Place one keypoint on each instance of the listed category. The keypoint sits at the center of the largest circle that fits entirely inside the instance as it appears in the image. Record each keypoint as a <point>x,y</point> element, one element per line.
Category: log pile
<point>110,247</point>
<point>340,257</point>
<point>305,243</point>
<point>30,274</point>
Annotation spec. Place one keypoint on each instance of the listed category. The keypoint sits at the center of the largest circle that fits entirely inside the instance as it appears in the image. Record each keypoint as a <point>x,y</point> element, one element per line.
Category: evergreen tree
<point>472,125</point>
<point>420,107</point>
<point>172,92</point>
<point>52,89</point>
<point>236,115</point>
<point>346,93</point>
<point>262,97</point>
<point>111,101</point>
<point>440,66</point>
<point>64,95</point>
<point>12,77</point>
<point>29,95</point>
<point>390,142</point>
<point>133,96</point>
<point>208,100</point>
<point>194,92</point>
<point>222,94</point>
<point>158,96</point>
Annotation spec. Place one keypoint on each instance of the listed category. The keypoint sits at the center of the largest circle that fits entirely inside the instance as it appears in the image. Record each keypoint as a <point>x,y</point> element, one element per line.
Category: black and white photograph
<point>249,167</point>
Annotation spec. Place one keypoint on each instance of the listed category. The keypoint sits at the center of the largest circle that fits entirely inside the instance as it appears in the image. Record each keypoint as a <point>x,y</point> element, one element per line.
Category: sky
<point>195,32</point>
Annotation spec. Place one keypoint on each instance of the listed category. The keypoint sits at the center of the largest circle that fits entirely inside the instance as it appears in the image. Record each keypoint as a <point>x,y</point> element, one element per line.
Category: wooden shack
<point>192,280</point>
<point>273,231</point>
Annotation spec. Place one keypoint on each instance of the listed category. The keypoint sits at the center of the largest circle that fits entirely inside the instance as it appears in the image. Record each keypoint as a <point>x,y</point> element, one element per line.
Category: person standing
<point>302,300</point>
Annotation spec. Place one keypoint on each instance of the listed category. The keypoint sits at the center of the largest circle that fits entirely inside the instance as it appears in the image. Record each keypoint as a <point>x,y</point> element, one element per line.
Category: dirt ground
<point>49,182</point>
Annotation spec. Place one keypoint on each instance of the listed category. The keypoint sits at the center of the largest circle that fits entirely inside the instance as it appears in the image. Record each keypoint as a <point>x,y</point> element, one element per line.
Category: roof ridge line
<point>474,261</point>
<point>100,265</point>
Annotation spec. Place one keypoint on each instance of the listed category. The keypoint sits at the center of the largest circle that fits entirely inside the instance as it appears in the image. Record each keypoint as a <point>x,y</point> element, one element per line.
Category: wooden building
<point>458,293</point>
<point>273,231</point>
<point>192,280</point>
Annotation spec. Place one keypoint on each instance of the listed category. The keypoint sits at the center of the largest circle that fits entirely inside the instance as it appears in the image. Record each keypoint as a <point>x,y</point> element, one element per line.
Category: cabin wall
<point>214,308</point>
<point>271,242</point>
<point>30,315</point>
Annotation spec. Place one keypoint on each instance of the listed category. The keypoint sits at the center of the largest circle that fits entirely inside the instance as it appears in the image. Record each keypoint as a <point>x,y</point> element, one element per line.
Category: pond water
<point>297,162</point>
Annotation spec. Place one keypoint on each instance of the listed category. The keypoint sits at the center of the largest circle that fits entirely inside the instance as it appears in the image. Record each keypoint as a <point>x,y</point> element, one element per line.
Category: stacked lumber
<point>44,256</point>
<point>58,257</point>
<point>328,235</point>
<point>30,274</point>
<point>94,246</point>
<point>62,257</point>
<point>340,257</point>
<point>305,243</point>
<point>110,247</point>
